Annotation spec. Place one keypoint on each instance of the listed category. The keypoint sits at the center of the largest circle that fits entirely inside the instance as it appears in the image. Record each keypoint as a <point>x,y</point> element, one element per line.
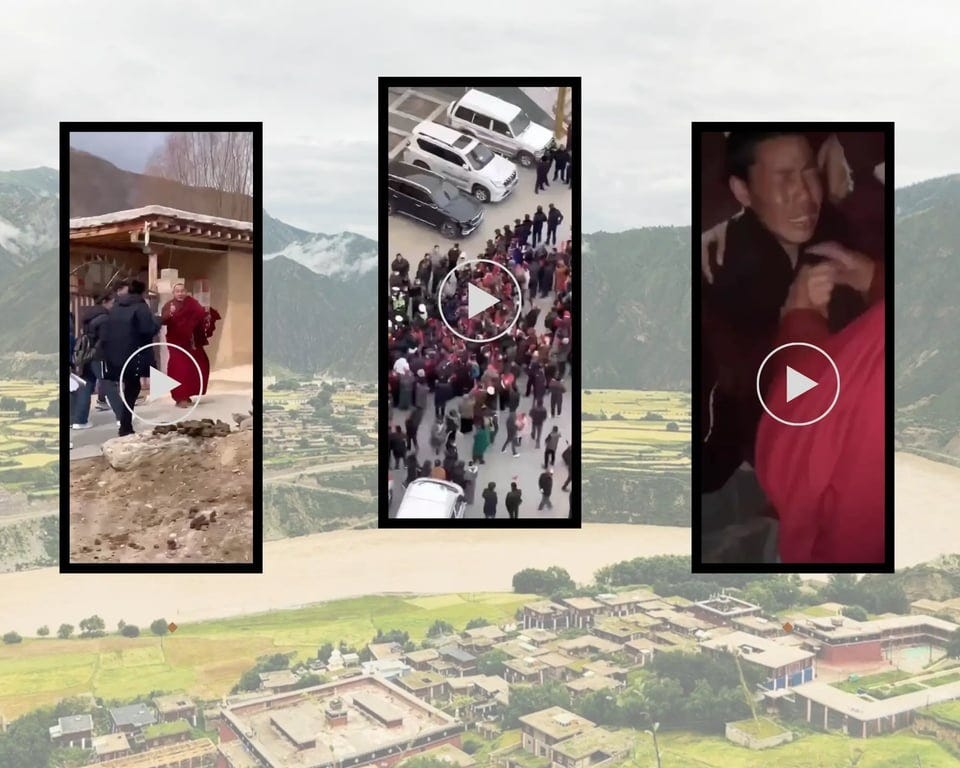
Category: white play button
<point>797,384</point>
<point>479,301</point>
<point>160,384</point>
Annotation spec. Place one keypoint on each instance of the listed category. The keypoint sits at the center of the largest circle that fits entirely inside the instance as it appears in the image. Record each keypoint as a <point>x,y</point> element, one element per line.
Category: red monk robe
<point>826,480</point>
<point>184,318</point>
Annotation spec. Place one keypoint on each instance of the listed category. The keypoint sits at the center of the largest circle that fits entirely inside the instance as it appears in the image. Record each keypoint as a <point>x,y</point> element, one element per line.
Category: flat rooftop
<point>557,722</point>
<point>759,650</point>
<point>860,709</point>
<point>184,753</point>
<point>597,740</point>
<point>276,725</point>
<point>725,605</point>
<point>849,629</point>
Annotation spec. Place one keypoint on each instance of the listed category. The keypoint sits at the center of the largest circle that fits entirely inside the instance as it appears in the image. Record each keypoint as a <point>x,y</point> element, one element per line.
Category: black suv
<point>427,197</point>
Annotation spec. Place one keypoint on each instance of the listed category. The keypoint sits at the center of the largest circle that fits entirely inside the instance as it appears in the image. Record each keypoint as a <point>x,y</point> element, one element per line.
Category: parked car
<point>427,498</point>
<point>464,160</point>
<point>500,125</point>
<point>428,197</point>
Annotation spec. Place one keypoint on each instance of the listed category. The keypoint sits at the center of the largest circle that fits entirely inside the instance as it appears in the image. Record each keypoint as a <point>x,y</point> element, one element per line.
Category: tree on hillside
<point>130,630</point>
<point>856,612</point>
<point>399,636</point>
<point>12,638</point>
<point>324,653</point>
<point>477,623</point>
<point>217,160</point>
<point>93,626</point>
<point>26,743</point>
<point>544,582</point>
<point>65,631</point>
<point>43,631</point>
<point>159,627</point>
<point>525,699</point>
<point>440,628</point>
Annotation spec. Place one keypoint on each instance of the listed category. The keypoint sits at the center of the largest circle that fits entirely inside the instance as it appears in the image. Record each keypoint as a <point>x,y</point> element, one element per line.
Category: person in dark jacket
<point>538,415</point>
<point>129,326</point>
<point>543,168</point>
<point>490,501</point>
<point>560,159</point>
<point>513,500</point>
<point>91,369</point>
<point>413,468</point>
<point>513,433</point>
<point>557,389</point>
<point>398,446</point>
<point>412,426</point>
<point>441,396</point>
<point>546,488</point>
<point>554,219</point>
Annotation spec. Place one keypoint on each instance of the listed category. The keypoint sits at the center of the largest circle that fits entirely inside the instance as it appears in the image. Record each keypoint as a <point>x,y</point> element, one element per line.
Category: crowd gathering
<point>106,351</point>
<point>519,355</point>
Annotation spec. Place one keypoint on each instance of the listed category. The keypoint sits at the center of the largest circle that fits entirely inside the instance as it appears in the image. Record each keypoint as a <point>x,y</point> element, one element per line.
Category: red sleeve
<point>877,284</point>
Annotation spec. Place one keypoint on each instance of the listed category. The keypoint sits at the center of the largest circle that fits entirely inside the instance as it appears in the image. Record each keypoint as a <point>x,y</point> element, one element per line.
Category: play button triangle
<point>797,384</point>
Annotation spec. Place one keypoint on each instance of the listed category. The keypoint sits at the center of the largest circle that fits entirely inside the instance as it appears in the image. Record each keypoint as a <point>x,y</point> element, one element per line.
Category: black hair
<point>137,287</point>
<point>741,150</point>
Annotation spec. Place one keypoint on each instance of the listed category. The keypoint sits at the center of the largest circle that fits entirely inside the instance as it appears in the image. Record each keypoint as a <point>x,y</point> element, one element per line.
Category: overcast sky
<point>129,151</point>
<point>308,71</point>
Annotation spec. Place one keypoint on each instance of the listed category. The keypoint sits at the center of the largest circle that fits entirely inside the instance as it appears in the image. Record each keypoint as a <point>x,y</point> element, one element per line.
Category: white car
<point>427,498</point>
<point>500,125</point>
<point>464,160</point>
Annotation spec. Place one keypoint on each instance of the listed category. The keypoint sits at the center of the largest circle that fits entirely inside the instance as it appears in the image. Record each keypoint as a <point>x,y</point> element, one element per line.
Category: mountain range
<point>320,293</point>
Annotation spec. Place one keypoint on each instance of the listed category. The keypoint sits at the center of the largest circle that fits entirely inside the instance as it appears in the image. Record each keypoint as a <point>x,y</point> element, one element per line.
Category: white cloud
<point>309,70</point>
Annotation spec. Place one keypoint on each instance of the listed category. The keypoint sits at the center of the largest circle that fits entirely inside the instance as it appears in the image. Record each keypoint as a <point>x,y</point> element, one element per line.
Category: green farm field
<point>631,431</point>
<point>206,659</point>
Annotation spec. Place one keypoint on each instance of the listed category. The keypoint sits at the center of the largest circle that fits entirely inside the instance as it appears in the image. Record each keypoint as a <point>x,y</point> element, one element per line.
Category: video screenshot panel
<point>160,283</point>
<point>790,362</point>
<point>479,271</point>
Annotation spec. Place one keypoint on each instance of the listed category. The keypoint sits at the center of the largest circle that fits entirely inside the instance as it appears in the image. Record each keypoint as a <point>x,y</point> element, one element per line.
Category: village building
<point>175,707</point>
<point>463,662</point>
<point>594,747</point>
<point>447,753</point>
<point>641,651</point>
<point>537,637</point>
<point>721,609</point>
<point>545,614</point>
<point>278,681</point>
<point>385,668</point>
<point>72,731</point>
<point>583,611</point>
<point>526,671</point>
<point>592,684</point>
<point>625,603</point>
<point>783,666</point>
<point>421,659</point>
<point>166,733</point>
<point>619,630</point>
<point>758,625</point>
<point>200,753</point>
<point>428,686</point>
<point>490,632</point>
<point>587,645</point>
<point>132,718</point>
<point>212,256</point>
<point>541,731</point>
<point>606,669</point>
<point>681,623</point>
<point>111,746</point>
<point>385,651</point>
<point>520,649</point>
<point>839,640</point>
<point>348,723</point>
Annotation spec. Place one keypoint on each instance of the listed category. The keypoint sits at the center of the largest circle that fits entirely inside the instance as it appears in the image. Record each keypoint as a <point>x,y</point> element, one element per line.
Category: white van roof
<point>428,498</point>
<point>444,133</point>
<point>489,105</point>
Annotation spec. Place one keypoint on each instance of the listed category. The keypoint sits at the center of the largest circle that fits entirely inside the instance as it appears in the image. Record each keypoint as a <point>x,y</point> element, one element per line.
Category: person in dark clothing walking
<point>413,468</point>
<point>566,456</point>
<point>556,397</point>
<point>441,396</point>
<point>538,415</point>
<point>513,500</point>
<point>546,488</point>
<point>550,447</point>
<point>543,168</point>
<point>539,219</point>
<point>129,326</point>
<point>490,501</point>
<point>554,219</point>
<point>402,267</point>
<point>560,159</point>
<point>512,435</point>
<point>398,446</point>
<point>412,425</point>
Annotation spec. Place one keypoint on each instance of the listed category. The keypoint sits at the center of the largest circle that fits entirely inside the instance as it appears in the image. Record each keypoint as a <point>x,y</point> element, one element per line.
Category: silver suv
<point>465,161</point>
<point>500,125</point>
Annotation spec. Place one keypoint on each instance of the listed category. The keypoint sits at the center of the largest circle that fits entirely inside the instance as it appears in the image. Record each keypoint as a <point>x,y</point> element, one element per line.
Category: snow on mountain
<point>342,255</point>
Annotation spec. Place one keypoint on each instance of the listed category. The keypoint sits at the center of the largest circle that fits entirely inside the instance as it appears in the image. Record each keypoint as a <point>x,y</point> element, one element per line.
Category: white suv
<point>503,126</point>
<point>462,159</point>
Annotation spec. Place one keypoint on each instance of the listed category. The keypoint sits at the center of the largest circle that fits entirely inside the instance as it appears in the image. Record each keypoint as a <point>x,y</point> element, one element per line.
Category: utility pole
<point>559,132</point>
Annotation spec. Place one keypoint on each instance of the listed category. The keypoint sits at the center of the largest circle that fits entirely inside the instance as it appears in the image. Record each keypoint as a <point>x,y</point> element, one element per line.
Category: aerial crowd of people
<point>474,380</point>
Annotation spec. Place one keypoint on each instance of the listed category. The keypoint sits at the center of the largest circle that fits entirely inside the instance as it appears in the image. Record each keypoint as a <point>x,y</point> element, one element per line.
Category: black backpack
<point>84,351</point>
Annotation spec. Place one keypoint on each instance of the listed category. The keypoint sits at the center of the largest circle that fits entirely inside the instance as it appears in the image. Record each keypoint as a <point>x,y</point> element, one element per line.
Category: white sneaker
<point>71,446</point>
<point>118,423</point>
<point>83,426</point>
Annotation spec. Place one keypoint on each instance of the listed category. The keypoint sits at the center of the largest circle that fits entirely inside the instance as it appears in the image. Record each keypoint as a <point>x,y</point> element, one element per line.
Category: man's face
<point>784,188</point>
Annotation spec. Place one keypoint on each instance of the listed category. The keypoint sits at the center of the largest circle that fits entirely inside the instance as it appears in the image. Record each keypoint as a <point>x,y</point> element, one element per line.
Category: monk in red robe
<point>826,480</point>
<point>188,326</point>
